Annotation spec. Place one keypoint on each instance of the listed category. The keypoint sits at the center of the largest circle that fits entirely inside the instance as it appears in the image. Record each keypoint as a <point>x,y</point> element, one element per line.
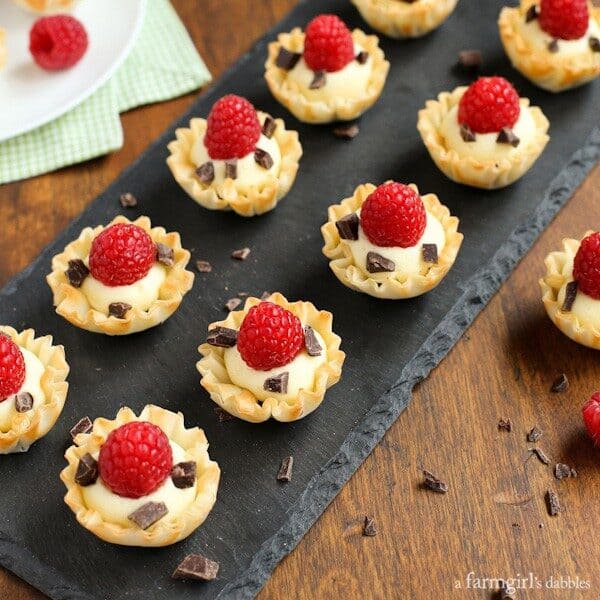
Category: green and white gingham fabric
<point>163,64</point>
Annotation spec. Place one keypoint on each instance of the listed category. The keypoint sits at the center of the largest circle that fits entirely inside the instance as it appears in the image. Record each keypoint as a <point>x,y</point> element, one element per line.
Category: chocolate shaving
<point>347,131</point>
<point>470,59</point>
<point>231,170</point>
<point>507,136</point>
<point>118,309</point>
<point>232,304</point>
<point>505,424</point>
<point>534,434</point>
<point>206,172</point>
<point>223,415</point>
<point>165,255</point>
<point>362,57</point>
<point>77,272</point>
<point>560,384</point>
<point>222,337</point>
<point>348,227</point>
<point>570,295</point>
<point>553,503</point>
<point>241,254</point>
<point>542,457</point>
<point>430,253</point>
<point>263,158</point>
<point>285,470</point>
<point>84,425</point>
<point>277,384</point>
<point>269,127</point>
<point>433,483</point>
<point>203,266</point>
<point>311,343</point>
<point>128,200</point>
<point>183,474</point>
<point>466,133</point>
<point>318,81</point>
<point>148,514</point>
<point>594,44</point>
<point>553,46</point>
<point>561,471</point>
<point>87,470</point>
<point>23,402</point>
<point>198,567</point>
<point>287,60</point>
<point>369,527</point>
<point>531,14</point>
<point>379,264</point>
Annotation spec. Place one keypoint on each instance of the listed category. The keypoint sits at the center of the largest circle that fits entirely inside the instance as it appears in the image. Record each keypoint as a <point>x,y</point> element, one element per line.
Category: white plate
<point>30,96</point>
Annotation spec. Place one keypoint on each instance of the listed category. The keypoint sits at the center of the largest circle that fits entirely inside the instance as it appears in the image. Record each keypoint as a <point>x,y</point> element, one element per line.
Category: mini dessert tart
<point>554,43</point>
<point>274,359</point>
<point>33,387</point>
<point>390,242</point>
<point>327,73</point>
<point>239,159</point>
<point>120,279</point>
<point>484,136</point>
<point>405,18</point>
<point>46,6</point>
<point>141,481</point>
<point>571,289</point>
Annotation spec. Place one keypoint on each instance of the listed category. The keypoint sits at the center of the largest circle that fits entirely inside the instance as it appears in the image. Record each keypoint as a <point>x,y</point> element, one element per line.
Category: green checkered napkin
<point>163,64</point>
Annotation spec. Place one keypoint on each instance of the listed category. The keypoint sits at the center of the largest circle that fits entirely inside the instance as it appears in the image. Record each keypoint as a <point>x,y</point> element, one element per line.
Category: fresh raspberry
<point>57,42</point>
<point>121,255</point>
<point>393,215</point>
<point>328,44</point>
<point>135,459</point>
<point>233,128</point>
<point>12,367</point>
<point>586,266</point>
<point>591,416</point>
<point>488,105</point>
<point>564,19</point>
<point>269,337</point>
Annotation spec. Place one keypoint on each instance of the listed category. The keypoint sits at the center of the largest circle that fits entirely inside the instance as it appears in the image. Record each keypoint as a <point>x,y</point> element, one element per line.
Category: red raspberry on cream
<point>12,367</point>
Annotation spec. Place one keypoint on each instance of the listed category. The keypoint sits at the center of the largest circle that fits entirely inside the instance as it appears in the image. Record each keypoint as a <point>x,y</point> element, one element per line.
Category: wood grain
<point>493,520</point>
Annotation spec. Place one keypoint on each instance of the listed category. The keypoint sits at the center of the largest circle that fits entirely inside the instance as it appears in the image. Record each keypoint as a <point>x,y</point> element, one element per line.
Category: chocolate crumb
<point>542,457</point>
<point>223,415</point>
<point>534,434</point>
<point>277,384</point>
<point>263,158</point>
<point>87,470</point>
<point>470,59</point>
<point>287,60</point>
<point>507,136</point>
<point>285,470</point>
<point>241,254</point>
<point>232,304</point>
<point>362,57</point>
<point>347,131</point>
<point>430,253</point>
<point>206,172</point>
<point>84,425</point>
<point>118,309</point>
<point>77,272</point>
<point>553,503</point>
<point>231,170</point>
<point>466,133</point>
<point>148,514</point>
<point>561,471</point>
<point>318,81</point>
<point>560,384</point>
<point>222,337</point>
<point>348,227</point>
<point>128,200</point>
<point>265,296</point>
<point>553,46</point>
<point>23,402</point>
<point>269,127</point>
<point>183,474</point>
<point>570,295</point>
<point>198,567</point>
<point>505,424</point>
<point>379,264</point>
<point>531,14</point>
<point>369,527</point>
<point>311,343</point>
<point>203,266</point>
<point>165,255</point>
<point>433,483</point>
<point>594,44</point>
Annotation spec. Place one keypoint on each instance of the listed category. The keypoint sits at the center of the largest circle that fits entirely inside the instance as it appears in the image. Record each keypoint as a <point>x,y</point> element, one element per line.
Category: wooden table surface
<point>493,522</point>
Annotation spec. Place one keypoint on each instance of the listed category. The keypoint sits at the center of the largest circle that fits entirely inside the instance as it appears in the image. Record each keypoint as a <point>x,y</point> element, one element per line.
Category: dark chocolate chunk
<point>232,304</point>
<point>430,253</point>
<point>206,172</point>
<point>560,384</point>
<point>231,169</point>
<point>263,158</point>
<point>319,80</point>
<point>241,254</point>
<point>470,59</point>
<point>265,295</point>
<point>553,46</point>
<point>311,342</point>
<point>77,272</point>
<point>84,425</point>
<point>277,384</point>
<point>348,227</point>
<point>466,133</point>
<point>87,470</point>
<point>570,295</point>
<point>553,503</point>
<point>594,44</point>
<point>23,402</point>
<point>507,136</point>
<point>148,514</point>
<point>534,434</point>
<point>203,266</point>
<point>287,60</point>
<point>165,255</point>
<point>223,415</point>
<point>369,528</point>
<point>379,264</point>
<point>128,200</point>
<point>433,483</point>
<point>118,309</point>
<point>531,14</point>
<point>347,131</point>
<point>196,566</point>
<point>505,424</point>
<point>362,57</point>
<point>285,470</point>
<point>561,471</point>
<point>269,127</point>
<point>222,337</point>
<point>542,457</point>
<point>183,474</point>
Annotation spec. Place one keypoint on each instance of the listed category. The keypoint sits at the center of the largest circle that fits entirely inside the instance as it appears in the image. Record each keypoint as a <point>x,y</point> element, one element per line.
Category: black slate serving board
<point>390,345</point>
